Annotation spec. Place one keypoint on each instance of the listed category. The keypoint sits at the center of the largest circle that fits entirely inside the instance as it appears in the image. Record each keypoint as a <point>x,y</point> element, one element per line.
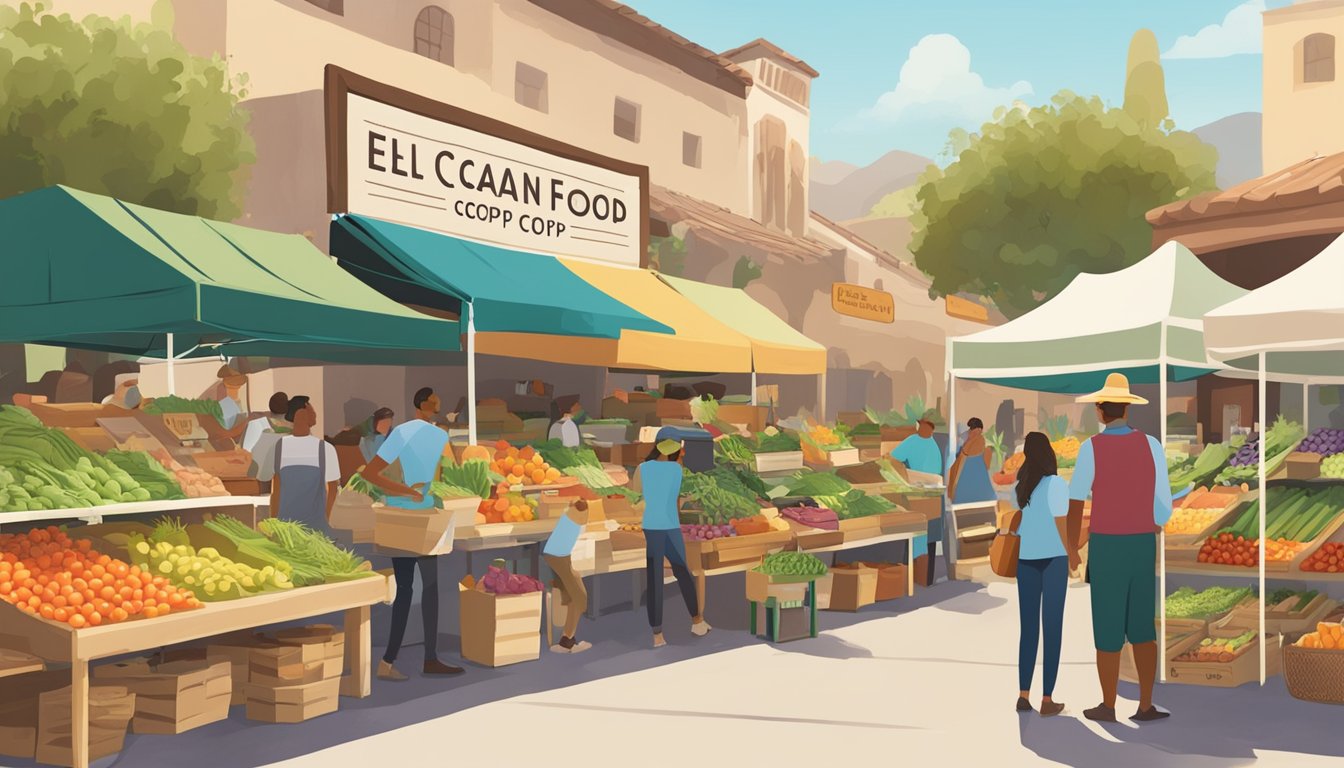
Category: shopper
<point>565,429</point>
<point>969,480</point>
<point>559,551</point>
<point>920,452</point>
<point>418,445</point>
<point>261,424</point>
<point>1042,568</point>
<point>659,479</point>
<point>231,404</point>
<point>1125,473</point>
<point>304,472</point>
<point>373,432</point>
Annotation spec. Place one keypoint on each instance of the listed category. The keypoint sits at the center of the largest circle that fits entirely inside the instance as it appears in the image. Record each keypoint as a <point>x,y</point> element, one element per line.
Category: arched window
<point>1318,58</point>
<point>434,34</point>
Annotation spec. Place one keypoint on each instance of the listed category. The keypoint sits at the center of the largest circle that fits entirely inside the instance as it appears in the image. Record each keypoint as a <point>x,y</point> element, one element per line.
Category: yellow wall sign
<point>966,309</point>
<point>863,303</point>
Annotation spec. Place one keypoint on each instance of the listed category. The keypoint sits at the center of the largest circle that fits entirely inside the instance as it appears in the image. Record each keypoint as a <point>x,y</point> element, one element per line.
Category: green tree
<point>120,109</point>
<point>667,255</point>
<point>1041,194</point>
<point>1145,84</point>
<point>744,271</point>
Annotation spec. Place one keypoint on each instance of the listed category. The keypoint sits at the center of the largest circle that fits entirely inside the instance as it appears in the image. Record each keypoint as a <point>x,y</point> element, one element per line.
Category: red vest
<point>1123,485</point>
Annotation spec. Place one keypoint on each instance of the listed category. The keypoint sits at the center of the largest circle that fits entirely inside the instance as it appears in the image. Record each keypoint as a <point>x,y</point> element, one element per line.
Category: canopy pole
<point>1162,535</point>
<point>950,541</point>
<point>471,374</point>
<point>1264,419</point>
<point>821,398</point>
<point>1306,407</point>
<point>172,377</point>
<point>753,387</point>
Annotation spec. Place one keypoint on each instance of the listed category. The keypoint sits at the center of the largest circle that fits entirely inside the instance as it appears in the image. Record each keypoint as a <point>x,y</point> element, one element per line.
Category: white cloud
<point>936,78</point>
<point>1238,33</point>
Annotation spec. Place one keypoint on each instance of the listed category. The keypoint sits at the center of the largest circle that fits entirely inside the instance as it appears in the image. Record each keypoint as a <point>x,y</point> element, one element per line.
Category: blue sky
<point>898,74</point>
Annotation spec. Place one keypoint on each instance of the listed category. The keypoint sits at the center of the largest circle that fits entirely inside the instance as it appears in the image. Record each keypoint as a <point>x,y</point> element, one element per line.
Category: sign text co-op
<point>387,155</point>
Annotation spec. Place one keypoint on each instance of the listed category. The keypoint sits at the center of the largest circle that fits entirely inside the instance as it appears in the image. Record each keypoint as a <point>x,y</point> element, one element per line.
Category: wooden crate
<point>1245,668</point>
<point>779,461</point>
<point>499,629</point>
<point>860,528</point>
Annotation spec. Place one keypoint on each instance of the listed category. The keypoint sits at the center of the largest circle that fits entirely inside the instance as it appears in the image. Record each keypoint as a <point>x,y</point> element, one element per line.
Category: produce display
<point>1333,466</point>
<point>208,574</point>
<point>195,482</point>
<point>826,438</point>
<point>470,478</point>
<point>1066,450</point>
<point>1327,635</point>
<point>1289,601</point>
<point>522,465</point>
<point>1228,549</point>
<point>1189,521</point>
<point>698,532</point>
<point>734,450</point>
<point>562,458</point>
<point>773,440</point>
<point>1201,508</point>
<point>631,527</point>
<point>1295,514</point>
<point>1328,559</point>
<point>806,483</point>
<point>46,573</point>
<point>1282,439</point>
<point>723,494</point>
<point>854,504</point>
<point>792,564</point>
<point>1186,603</point>
<point>594,478</point>
<point>1220,649</point>
<point>1204,469</point>
<point>1323,441</point>
<point>507,507</point>
<point>305,556</point>
<point>358,484</point>
<point>174,404</point>
<point>149,473</point>
<point>498,581</point>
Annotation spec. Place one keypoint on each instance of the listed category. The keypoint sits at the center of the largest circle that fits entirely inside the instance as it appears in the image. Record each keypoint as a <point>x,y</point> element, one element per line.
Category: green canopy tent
<point>490,288</point>
<point>89,271</point>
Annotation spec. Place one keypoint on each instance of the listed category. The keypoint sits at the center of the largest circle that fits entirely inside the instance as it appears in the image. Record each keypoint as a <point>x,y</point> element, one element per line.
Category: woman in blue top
<point>1042,567</point>
<point>969,480</point>
<point>659,479</point>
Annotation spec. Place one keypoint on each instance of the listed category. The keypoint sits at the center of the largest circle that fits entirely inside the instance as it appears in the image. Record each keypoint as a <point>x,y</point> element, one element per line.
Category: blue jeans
<point>669,545</point>
<point>1041,585</point>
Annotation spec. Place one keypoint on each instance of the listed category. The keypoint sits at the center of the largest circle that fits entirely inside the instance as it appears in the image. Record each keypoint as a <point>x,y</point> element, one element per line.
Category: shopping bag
<point>1003,550</point>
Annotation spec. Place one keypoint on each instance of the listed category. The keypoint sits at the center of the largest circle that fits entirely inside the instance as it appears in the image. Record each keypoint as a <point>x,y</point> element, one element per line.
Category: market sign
<point>399,157</point>
<point>965,309</point>
<point>863,303</point>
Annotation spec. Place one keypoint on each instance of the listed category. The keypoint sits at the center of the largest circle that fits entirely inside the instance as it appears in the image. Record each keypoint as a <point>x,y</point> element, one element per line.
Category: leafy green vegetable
<point>792,564</point>
<point>808,483</point>
<point>174,404</point>
<point>563,458</point>
<point>734,450</point>
<point>316,559</point>
<point>777,442</point>
<point>1186,603</point>
<point>472,476</point>
<point>591,477</point>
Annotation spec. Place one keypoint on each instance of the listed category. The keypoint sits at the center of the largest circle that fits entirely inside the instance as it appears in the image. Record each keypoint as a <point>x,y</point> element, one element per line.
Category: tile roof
<point>675,208</point>
<point>761,42</point>
<point>1315,181</point>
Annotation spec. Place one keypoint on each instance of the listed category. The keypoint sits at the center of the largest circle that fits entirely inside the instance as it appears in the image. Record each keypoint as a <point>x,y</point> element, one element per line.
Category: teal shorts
<point>1124,589</point>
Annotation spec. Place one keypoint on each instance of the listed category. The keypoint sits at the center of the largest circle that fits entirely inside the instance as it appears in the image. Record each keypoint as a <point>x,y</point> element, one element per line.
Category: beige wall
<point>1301,119</point>
<point>797,120</point>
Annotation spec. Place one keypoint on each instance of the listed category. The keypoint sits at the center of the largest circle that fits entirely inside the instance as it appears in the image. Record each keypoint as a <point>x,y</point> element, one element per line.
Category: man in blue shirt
<point>920,452</point>
<point>418,445</point>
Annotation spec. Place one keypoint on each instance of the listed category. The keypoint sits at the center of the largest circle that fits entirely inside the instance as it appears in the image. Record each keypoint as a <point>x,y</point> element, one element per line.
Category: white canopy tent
<point>1145,321</point>
<point>1291,330</point>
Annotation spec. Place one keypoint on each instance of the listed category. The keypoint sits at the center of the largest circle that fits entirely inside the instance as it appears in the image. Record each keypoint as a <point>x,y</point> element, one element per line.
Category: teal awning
<point>509,291</point>
<point>90,271</point>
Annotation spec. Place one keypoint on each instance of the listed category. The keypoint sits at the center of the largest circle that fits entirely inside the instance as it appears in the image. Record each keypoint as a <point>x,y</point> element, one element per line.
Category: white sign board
<point>407,168</point>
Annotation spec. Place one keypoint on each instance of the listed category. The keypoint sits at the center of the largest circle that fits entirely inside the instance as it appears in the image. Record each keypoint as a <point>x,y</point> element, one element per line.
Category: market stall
<point>1290,330</point>
<point>1145,321</point>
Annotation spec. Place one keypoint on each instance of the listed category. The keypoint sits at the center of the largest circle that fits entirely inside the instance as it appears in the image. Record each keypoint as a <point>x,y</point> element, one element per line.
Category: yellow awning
<point>701,343</point>
<point>776,346</point>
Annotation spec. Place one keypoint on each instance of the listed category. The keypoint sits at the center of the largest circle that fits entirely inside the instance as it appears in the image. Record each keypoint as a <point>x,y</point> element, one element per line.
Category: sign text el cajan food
<point>864,303</point>
<point>451,177</point>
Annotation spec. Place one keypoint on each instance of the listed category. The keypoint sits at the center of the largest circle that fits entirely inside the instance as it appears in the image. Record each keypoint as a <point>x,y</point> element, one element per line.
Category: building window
<point>1318,58</point>
<point>690,149</point>
<point>330,6</point>
<point>529,87</point>
<point>434,34</point>
<point>625,121</point>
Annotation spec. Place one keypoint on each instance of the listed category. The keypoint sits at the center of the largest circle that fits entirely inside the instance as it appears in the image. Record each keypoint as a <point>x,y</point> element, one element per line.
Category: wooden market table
<point>59,643</point>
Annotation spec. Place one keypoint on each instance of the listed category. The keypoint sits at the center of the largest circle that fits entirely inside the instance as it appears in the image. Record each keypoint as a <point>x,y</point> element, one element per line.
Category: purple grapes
<point>1323,441</point>
<point>1248,453</point>
<point>707,532</point>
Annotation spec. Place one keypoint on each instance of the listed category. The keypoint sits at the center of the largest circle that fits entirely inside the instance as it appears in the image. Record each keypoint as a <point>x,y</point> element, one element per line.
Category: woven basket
<point>1314,674</point>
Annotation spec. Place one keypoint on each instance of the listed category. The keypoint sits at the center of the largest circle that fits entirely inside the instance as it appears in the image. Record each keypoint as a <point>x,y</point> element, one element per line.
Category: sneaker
<point>578,647</point>
<point>1152,715</point>
<point>700,628</point>
<point>436,667</point>
<point>1100,714</point>
<point>389,673</point>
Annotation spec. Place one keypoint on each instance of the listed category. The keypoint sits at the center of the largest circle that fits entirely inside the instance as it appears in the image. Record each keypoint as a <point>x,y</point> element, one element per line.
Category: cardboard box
<point>224,464</point>
<point>753,416</point>
<point>673,409</point>
<point>172,697</point>
<point>111,708</point>
<point>74,414</point>
<point>760,588</point>
<point>891,580</point>
<point>624,540</point>
<point>353,512</point>
<point>779,461</point>
<point>931,507</point>
<point>1303,466</point>
<point>294,703</point>
<point>422,531</point>
<point>922,571</point>
<point>852,587</point>
<point>91,438</point>
<point>795,622</point>
<point>237,649</point>
<point>499,629</point>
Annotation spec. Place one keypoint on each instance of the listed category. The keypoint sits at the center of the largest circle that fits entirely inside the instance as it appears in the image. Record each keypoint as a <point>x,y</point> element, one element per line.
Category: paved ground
<point>931,678</point>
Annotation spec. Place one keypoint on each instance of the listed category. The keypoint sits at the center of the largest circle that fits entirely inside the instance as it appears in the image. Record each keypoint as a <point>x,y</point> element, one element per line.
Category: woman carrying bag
<point>1042,568</point>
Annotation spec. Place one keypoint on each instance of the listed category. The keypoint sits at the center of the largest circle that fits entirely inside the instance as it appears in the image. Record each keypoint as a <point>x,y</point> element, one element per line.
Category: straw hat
<point>231,377</point>
<point>1115,391</point>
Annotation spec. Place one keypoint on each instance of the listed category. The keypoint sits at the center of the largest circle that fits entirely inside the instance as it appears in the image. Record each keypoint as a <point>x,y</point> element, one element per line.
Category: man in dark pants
<point>1125,473</point>
<point>418,445</point>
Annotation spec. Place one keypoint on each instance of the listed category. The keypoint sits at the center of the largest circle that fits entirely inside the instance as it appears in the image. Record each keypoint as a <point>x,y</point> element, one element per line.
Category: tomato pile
<point>1328,559</point>
<point>1231,549</point>
<point>46,573</point>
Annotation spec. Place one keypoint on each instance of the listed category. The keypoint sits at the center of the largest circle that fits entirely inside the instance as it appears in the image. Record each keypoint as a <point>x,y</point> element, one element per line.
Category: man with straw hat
<point>1124,471</point>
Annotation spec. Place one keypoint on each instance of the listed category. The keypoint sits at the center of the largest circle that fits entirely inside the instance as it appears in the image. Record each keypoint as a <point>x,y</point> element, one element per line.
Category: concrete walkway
<point>933,684</point>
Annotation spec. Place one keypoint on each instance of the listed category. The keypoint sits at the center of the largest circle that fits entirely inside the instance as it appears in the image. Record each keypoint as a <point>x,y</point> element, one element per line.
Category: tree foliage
<point>1145,83</point>
<point>745,271</point>
<point>1041,194</point>
<point>120,109</point>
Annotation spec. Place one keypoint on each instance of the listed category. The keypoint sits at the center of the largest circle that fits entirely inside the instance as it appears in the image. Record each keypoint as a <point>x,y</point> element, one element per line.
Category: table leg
<point>79,713</point>
<point>591,612</point>
<point>752,605</point>
<point>470,570</point>
<point>535,551</point>
<point>910,567</point>
<point>358,683</point>
<point>812,601</point>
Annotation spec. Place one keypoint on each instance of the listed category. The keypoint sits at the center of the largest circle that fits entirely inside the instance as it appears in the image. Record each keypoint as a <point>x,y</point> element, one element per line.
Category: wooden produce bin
<point>422,531</point>
<point>861,528</point>
<point>292,703</point>
<point>173,696</point>
<point>852,587</point>
<point>779,461</point>
<point>1245,668</point>
<point>35,718</point>
<point>498,630</point>
<point>891,581</point>
<point>719,553</point>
